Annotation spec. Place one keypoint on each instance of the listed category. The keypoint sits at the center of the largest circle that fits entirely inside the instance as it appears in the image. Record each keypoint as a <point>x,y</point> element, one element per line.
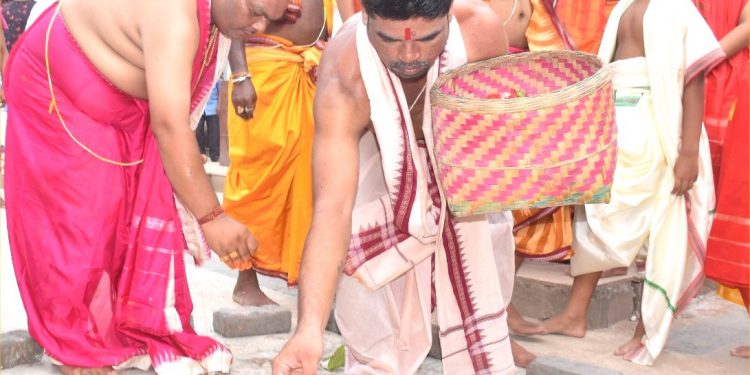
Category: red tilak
<point>407,33</point>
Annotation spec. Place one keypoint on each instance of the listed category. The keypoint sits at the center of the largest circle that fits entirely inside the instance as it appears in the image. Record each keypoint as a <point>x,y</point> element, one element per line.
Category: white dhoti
<point>642,213</point>
<point>408,256</point>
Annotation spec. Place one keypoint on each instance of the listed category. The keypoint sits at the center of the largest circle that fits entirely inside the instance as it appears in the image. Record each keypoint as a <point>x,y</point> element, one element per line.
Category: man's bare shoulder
<point>339,66</point>
<point>476,20</point>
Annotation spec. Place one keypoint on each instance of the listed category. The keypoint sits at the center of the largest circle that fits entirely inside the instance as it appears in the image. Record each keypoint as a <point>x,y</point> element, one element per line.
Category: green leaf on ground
<point>337,359</point>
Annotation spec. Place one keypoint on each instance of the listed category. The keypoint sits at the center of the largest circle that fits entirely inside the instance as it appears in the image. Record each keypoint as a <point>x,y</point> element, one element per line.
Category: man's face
<point>408,47</point>
<point>240,19</point>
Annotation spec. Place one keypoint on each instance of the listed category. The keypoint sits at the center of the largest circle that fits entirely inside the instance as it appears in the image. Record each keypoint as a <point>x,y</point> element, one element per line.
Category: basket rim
<point>586,86</point>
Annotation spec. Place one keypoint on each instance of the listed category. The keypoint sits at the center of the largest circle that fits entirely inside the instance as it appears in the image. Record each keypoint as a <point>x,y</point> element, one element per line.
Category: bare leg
<point>247,290</point>
<point>572,321</point>
<point>521,356</point>
<point>633,346</point>
<point>516,323</point>
<point>68,370</point>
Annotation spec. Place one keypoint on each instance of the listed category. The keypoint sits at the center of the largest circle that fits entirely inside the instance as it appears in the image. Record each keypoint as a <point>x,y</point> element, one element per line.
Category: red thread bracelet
<point>211,216</point>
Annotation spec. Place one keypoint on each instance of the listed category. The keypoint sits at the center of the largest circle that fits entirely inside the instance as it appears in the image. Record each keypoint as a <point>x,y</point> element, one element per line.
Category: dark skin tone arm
<point>243,93</point>
<point>739,38</point>
<point>686,166</point>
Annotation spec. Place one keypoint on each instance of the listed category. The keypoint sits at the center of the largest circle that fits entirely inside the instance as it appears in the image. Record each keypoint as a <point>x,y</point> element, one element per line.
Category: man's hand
<point>685,173</point>
<point>244,98</point>
<point>231,241</point>
<point>301,354</point>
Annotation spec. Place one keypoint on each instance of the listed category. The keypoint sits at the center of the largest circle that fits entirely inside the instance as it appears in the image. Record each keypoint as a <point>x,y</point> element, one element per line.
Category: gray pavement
<point>699,342</point>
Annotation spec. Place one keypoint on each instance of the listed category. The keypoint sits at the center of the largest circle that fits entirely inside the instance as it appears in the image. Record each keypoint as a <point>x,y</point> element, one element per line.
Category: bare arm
<point>346,9</point>
<point>243,92</point>
<point>336,168</point>
<point>475,18</point>
<point>340,120</point>
<point>237,58</point>
<point>686,166</point>
<point>739,38</point>
<point>169,47</point>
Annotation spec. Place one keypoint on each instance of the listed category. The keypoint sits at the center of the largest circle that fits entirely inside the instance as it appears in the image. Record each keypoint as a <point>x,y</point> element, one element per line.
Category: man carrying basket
<point>378,212</point>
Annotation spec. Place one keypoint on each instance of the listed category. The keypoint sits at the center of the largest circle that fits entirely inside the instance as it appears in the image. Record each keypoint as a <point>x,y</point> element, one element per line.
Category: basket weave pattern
<point>525,131</point>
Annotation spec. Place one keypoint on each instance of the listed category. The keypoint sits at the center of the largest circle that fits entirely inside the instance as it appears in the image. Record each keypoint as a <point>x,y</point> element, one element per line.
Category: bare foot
<point>521,327</point>
<point>619,271</point>
<point>68,370</point>
<point>564,325</point>
<point>740,351</point>
<point>629,350</point>
<point>247,292</point>
<point>521,356</point>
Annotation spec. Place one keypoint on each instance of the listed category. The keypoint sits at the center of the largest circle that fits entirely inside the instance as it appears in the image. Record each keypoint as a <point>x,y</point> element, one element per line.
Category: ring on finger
<point>234,254</point>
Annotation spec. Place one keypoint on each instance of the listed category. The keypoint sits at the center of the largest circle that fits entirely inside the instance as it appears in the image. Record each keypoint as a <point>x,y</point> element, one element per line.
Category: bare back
<point>630,32</point>
<point>108,33</point>
<point>516,15</point>
<point>306,29</point>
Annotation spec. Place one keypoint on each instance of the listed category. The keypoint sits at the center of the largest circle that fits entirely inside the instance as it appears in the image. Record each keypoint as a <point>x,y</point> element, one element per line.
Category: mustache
<point>400,65</point>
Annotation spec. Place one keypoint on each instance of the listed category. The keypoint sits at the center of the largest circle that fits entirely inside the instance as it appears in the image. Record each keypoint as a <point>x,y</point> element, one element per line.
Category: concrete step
<point>542,289</point>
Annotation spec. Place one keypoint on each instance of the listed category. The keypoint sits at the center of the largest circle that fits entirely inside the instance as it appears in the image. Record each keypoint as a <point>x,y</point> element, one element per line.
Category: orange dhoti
<point>269,182</point>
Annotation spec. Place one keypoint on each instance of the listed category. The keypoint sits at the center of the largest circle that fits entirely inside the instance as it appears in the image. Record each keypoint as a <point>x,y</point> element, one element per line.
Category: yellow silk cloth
<point>269,182</point>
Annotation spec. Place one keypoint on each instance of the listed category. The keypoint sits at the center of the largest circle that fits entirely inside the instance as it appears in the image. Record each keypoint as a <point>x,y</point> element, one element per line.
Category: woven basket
<point>528,130</point>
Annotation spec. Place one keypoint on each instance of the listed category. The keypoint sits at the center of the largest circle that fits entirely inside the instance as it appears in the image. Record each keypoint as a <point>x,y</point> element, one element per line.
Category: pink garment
<point>97,248</point>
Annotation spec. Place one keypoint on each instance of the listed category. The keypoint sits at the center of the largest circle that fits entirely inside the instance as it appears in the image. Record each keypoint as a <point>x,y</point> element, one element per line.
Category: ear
<point>365,18</point>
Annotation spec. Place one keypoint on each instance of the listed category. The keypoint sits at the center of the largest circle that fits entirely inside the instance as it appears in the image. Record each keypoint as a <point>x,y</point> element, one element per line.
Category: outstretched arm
<point>340,120</point>
<point>169,47</point>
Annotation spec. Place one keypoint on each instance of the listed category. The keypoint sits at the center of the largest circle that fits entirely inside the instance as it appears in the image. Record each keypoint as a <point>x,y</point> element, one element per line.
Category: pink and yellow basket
<point>528,130</point>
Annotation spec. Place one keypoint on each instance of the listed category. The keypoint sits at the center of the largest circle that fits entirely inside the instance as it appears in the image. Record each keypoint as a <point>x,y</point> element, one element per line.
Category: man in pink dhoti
<point>379,216</point>
<point>99,144</point>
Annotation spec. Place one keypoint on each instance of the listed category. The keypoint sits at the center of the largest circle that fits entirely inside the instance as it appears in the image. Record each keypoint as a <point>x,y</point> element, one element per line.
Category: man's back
<point>630,32</point>
<point>108,32</point>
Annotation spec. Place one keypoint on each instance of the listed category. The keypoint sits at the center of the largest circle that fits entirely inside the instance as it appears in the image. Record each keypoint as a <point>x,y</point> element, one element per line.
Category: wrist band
<point>211,216</point>
<point>237,78</point>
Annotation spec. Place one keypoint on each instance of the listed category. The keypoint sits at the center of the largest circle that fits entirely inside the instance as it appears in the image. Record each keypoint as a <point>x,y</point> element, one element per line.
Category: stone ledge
<point>18,348</point>
<point>560,366</point>
<point>252,321</point>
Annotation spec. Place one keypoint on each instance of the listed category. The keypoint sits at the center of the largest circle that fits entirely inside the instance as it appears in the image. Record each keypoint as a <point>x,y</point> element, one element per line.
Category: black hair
<point>406,9</point>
